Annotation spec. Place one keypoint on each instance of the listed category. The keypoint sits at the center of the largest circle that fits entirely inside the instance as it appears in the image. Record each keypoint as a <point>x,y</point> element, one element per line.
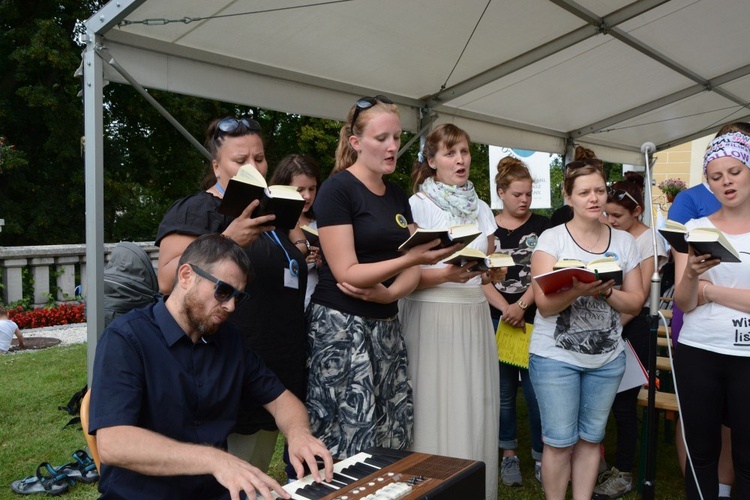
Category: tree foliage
<point>148,164</point>
<point>40,114</point>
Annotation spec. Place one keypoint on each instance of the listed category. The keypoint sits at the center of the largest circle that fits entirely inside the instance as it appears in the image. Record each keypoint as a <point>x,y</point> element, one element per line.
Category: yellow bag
<point>513,344</point>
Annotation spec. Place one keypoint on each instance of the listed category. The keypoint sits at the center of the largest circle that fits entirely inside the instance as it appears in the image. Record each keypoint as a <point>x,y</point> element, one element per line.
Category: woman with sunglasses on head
<point>273,318</point>
<point>512,301</point>
<point>446,321</point>
<point>576,357</point>
<point>712,363</point>
<point>624,209</point>
<point>303,173</point>
<point>359,394</point>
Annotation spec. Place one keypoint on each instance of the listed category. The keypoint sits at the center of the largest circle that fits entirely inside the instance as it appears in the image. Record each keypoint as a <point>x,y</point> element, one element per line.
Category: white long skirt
<point>452,354</point>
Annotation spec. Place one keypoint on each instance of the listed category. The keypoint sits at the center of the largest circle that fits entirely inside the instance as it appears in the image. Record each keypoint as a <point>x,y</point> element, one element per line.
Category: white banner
<point>539,166</point>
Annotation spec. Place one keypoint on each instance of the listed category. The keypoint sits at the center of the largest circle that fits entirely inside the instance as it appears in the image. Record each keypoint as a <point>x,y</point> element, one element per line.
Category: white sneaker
<point>615,485</point>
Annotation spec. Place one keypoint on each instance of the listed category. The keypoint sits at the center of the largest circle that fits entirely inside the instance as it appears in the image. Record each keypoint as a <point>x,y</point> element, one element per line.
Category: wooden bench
<point>663,341</point>
<point>663,363</point>
<point>666,401</point>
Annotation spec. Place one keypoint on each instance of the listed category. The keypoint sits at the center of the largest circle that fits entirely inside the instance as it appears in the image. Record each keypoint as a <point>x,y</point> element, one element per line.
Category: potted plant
<point>671,187</point>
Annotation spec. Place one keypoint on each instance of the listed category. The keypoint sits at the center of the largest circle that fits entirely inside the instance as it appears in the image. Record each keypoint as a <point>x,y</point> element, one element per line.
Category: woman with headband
<point>273,318</point>
<point>359,394</point>
<point>713,364</point>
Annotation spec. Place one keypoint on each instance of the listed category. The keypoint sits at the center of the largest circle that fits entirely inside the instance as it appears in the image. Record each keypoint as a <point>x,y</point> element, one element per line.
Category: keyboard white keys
<point>292,488</point>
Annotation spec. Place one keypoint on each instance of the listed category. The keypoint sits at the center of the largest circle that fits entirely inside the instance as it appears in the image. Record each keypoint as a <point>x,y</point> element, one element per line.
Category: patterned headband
<point>734,145</point>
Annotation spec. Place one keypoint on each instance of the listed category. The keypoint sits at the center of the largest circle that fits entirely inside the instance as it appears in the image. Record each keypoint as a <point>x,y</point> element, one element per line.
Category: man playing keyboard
<point>166,388</point>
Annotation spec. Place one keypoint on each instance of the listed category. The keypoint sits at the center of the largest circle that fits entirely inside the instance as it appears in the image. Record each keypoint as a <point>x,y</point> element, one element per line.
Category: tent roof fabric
<point>537,74</point>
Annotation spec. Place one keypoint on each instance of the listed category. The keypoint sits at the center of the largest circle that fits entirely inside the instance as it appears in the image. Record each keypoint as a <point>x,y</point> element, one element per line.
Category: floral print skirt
<point>358,392</point>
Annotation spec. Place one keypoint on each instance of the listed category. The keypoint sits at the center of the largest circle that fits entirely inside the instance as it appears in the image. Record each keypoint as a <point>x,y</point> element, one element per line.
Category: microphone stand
<point>648,486</point>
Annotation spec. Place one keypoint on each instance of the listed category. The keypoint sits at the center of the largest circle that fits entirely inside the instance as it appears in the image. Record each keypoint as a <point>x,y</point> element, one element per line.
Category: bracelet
<point>703,292</point>
<point>303,242</point>
<point>523,305</point>
<point>605,297</point>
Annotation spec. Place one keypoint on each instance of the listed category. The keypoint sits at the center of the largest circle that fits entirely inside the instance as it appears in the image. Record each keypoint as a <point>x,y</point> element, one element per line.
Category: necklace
<point>510,231</point>
<point>581,239</point>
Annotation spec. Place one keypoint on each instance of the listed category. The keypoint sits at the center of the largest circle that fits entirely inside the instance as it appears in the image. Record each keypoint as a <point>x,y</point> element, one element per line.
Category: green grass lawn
<point>31,432</point>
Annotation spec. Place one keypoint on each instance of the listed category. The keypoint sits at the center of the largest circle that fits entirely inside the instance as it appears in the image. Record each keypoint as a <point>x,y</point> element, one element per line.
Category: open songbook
<point>561,277</point>
<point>248,185</point>
<point>704,240</point>
<point>483,262</point>
<point>464,233</point>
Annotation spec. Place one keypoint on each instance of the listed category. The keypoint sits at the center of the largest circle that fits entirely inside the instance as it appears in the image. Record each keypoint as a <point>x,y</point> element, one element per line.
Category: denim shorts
<point>574,402</point>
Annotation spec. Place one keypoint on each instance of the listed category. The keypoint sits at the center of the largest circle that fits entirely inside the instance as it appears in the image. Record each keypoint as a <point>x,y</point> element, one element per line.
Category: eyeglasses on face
<point>223,291</point>
<point>230,125</point>
<point>620,194</point>
<point>366,103</point>
<point>573,165</point>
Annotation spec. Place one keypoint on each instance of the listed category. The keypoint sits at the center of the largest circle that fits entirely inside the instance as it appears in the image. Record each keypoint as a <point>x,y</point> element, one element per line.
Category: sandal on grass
<point>83,469</point>
<point>46,482</point>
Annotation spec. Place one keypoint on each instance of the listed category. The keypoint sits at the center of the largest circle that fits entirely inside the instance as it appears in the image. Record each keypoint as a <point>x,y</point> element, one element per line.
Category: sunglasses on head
<point>223,291</point>
<point>366,103</point>
<point>231,124</point>
<point>621,194</point>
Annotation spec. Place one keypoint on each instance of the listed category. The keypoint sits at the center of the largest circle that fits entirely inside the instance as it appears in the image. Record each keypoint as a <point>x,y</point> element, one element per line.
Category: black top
<point>561,215</point>
<point>380,226</point>
<point>272,321</point>
<point>519,243</point>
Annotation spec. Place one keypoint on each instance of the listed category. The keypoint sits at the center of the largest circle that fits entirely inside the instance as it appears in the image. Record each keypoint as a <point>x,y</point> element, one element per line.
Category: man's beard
<point>191,306</point>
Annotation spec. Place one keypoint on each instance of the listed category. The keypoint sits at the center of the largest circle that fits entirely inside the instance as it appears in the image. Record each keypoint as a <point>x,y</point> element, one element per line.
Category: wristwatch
<point>523,305</point>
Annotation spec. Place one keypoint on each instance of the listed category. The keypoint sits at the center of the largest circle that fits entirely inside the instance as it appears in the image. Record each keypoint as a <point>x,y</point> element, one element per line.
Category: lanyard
<point>293,264</point>
<point>219,188</point>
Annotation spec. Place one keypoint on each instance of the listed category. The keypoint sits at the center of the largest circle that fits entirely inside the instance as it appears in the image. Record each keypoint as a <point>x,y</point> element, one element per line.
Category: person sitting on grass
<point>8,328</point>
<point>167,383</point>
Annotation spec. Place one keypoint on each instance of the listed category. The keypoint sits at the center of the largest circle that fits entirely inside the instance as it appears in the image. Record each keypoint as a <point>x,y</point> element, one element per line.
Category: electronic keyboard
<point>381,473</point>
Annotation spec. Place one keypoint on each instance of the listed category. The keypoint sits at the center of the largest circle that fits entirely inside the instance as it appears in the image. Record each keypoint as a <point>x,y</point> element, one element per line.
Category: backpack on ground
<point>74,406</point>
<point>129,281</point>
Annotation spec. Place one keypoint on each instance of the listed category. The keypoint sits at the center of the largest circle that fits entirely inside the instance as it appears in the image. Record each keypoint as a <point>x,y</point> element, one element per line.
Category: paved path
<point>69,334</point>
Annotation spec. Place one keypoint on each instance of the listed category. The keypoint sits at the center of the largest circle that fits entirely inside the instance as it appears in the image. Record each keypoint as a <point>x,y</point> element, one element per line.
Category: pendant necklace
<point>592,246</point>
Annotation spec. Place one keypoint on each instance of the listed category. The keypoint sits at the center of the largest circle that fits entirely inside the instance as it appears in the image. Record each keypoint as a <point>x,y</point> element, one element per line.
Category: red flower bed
<point>64,314</point>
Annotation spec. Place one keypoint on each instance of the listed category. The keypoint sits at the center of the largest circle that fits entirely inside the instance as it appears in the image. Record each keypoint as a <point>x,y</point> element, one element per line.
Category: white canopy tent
<point>533,74</point>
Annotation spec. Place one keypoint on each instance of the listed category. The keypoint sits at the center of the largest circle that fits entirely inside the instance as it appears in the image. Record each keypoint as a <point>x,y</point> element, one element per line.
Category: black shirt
<point>519,243</point>
<point>379,225</point>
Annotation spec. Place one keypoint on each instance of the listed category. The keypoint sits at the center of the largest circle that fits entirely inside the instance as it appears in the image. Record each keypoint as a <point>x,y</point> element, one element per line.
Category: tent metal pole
<point>419,134</point>
<point>162,111</point>
<point>93,83</point>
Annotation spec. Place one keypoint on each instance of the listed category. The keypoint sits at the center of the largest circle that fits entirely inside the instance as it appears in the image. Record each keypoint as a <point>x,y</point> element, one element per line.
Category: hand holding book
<point>566,271</point>
<point>703,240</point>
<point>248,185</point>
<point>245,229</point>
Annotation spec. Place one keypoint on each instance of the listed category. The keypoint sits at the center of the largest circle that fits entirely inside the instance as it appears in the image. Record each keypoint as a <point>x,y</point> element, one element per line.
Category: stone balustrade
<point>66,263</point>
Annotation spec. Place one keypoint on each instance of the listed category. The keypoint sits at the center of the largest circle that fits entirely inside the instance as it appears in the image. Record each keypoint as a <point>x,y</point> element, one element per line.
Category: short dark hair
<point>209,249</point>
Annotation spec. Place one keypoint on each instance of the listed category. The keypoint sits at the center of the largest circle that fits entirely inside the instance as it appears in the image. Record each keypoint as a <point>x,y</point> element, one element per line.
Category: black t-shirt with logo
<point>379,225</point>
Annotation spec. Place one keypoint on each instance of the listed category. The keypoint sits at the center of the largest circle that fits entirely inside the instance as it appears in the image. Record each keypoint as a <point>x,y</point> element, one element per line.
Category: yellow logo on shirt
<point>401,220</point>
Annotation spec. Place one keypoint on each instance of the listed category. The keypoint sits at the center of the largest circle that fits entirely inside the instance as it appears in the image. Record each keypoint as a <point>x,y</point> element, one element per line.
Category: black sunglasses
<point>230,125</point>
<point>223,290</point>
<point>621,194</point>
<point>366,103</point>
